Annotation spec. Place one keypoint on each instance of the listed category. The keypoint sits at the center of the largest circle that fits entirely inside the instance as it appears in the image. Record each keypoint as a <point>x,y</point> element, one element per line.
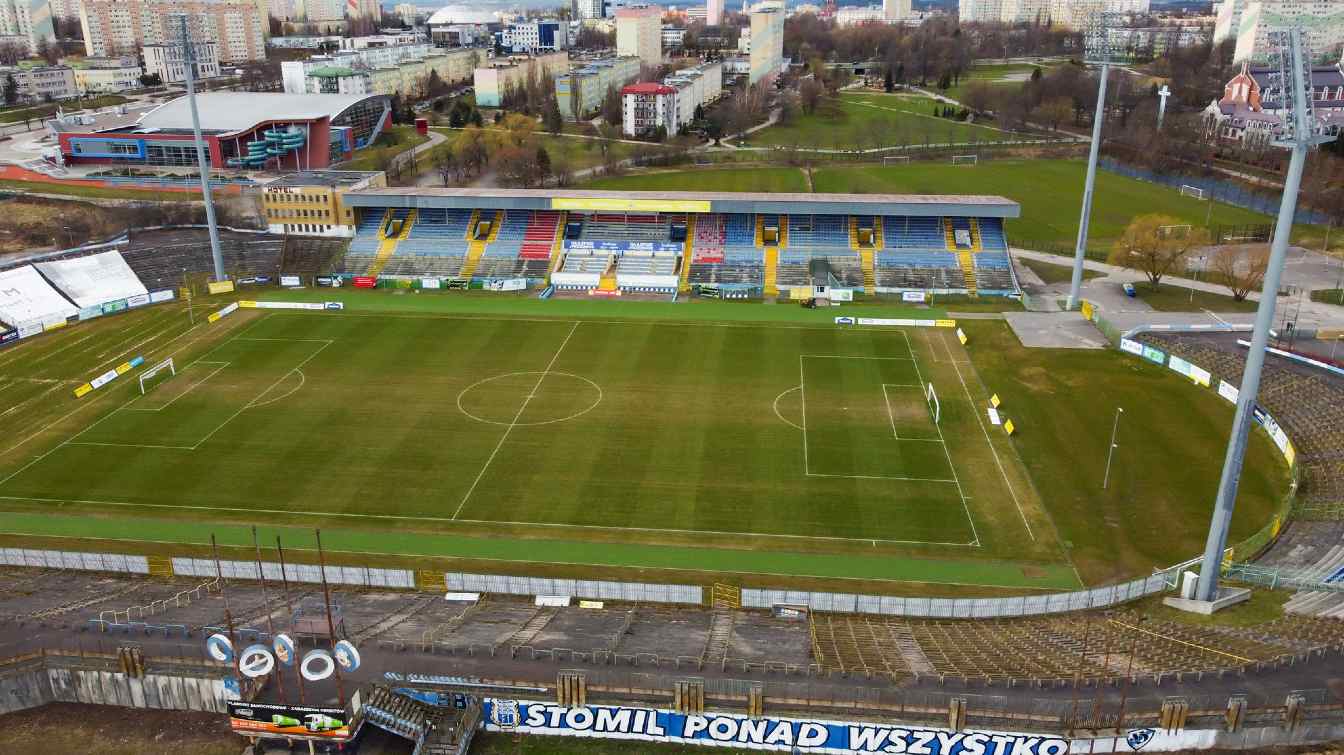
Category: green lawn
<point>1052,273</point>
<point>1329,295</point>
<point>709,179</point>
<point>579,152</point>
<point>1176,299</point>
<point>1167,462</point>
<point>15,115</point>
<point>868,121</point>
<point>393,141</point>
<point>99,192</point>
<point>1048,190</point>
<point>996,75</point>
<point>642,438</point>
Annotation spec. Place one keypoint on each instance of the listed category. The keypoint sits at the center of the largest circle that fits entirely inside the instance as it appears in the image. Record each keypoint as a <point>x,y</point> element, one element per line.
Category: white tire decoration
<point>256,661</point>
<point>347,657</point>
<point>317,665</point>
<point>219,648</point>
<point>283,647</point>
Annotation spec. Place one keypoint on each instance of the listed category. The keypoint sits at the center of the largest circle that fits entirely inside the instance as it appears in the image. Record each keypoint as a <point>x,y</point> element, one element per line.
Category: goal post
<point>896,160</point>
<point>931,396</point>
<point>965,159</point>
<point>1193,191</point>
<point>150,373</point>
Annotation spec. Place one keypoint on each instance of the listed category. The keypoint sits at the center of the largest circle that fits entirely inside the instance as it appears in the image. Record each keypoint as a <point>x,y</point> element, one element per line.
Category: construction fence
<point>360,576</point>
<point>633,592</point>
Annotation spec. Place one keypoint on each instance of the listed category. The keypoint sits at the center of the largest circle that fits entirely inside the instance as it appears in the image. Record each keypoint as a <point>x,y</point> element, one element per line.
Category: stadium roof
<point>926,205</point>
<point>462,14</point>
<point>238,111</point>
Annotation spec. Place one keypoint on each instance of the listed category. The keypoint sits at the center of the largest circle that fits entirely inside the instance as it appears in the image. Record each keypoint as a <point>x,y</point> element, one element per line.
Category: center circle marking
<point>531,393</point>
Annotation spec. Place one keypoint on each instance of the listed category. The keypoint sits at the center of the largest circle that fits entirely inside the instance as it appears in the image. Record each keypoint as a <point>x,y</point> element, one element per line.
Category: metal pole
<point>331,627</point>
<point>1081,249</point>
<point>266,601</point>
<point>1115,428</point>
<point>203,162</point>
<point>228,614</point>
<point>284,580</point>
<point>1250,383</point>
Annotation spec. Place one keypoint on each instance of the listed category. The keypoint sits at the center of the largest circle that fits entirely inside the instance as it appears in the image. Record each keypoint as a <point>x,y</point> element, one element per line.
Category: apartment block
<point>580,90</point>
<point>639,32</point>
<point>106,75</point>
<point>117,27</point>
<point>767,44</point>
<point>501,74</point>
<point>42,83</point>
<point>170,64</point>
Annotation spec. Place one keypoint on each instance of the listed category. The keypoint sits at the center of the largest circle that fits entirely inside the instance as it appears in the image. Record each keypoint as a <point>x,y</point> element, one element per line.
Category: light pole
<point>1097,38</point>
<point>1110,452</point>
<point>1301,132</point>
<point>189,60</point>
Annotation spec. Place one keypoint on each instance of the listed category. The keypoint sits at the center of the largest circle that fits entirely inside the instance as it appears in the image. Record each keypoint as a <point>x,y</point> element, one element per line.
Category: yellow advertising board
<point>83,389</point>
<point>994,401</point>
<point>1009,428</point>
<point>944,323</point>
<point>961,336</point>
<point>247,304</point>
<point>220,287</point>
<point>1087,310</point>
<point>800,293</point>
<point>123,368</point>
<point>53,326</point>
<point>617,204</point>
<point>214,317</point>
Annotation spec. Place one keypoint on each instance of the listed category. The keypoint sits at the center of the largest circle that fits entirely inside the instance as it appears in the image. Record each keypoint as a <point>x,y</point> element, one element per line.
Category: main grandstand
<point>728,244</point>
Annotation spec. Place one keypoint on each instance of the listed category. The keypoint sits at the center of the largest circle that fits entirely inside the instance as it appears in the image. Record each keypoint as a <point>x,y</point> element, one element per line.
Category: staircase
<point>783,231</point>
<point>771,269</point>
<point>720,634</point>
<point>975,235</point>
<point>608,280</point>
<point>760,230</point>
<point>687,254</point>
<point>879,241</point>
<point>557,246</point>
<point>476,247</point>
<point>949,235</point>
<point>529,631</point>
<point>968,271</point>
<point>869,272</point>
<point>388,247</point>
<point>854,233</point>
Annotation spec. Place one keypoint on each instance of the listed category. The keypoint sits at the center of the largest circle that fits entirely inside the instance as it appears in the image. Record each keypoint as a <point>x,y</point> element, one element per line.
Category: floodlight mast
<point>188,66</point>
<point>1096,39</point>
<point>1301,132</point>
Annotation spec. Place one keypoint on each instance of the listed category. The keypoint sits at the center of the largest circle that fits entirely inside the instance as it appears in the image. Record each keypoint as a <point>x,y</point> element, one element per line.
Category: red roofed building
<point>647,106</point>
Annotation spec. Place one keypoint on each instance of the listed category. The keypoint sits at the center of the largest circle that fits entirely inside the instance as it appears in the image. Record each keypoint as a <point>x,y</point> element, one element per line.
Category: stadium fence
<point>1227,192</point>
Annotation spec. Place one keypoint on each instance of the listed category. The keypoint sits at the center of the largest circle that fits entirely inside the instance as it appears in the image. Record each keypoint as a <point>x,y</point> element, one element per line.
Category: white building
<point>767,44</point>
<point>1323,21</point>
<point>407,12</point>
<point>639,33</point>
<point>586,9</point>
<point>674,37</point>
<point>896,10</point>
<point>545,35</point>
<point>713,12</point>
<point>119,27</point>
<point>1067,13</point>
<point>42,83</point>
<point>670,105</point>
<point>106,75</point>
<point>167,61</point>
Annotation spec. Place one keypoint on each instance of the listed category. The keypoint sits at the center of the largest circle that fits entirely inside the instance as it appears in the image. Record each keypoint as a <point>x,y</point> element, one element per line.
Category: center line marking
<point>526,400</point>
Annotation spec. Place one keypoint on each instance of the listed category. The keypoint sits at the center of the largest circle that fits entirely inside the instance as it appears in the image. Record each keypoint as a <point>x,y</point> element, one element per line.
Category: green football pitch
<point>657,441</point>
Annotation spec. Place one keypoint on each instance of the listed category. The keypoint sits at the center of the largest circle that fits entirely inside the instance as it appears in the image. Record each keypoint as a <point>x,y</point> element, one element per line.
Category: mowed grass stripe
<point>949,571</point>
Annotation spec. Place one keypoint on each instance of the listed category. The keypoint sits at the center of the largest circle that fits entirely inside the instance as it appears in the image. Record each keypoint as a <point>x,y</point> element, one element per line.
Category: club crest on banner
<point>1139,738</point>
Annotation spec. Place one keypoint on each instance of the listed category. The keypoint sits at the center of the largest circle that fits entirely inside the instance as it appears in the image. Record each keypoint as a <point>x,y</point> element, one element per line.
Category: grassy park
<point>871,121</point>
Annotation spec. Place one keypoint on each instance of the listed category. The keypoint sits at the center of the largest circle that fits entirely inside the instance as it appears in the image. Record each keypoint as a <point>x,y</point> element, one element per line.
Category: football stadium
<point>760,471</point>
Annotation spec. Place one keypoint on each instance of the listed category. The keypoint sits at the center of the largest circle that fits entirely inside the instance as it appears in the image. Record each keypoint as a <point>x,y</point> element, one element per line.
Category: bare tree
<point>12,52</point>
<point>1241,275</point>
<point>1155,244</point>
<point>978,97</point>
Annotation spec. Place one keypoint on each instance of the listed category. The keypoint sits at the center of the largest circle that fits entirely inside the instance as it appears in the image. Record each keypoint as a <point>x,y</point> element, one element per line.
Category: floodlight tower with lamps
<point>1301,132</point>
<point>203,162</point>
<point>1097,40</point>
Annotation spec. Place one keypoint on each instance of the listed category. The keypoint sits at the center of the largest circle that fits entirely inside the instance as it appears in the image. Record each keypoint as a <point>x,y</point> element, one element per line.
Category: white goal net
<point>965,159</point>
<point>1193,191</point>
<point>147,377</point>
<point>896,160</point>
<point>931,396</point>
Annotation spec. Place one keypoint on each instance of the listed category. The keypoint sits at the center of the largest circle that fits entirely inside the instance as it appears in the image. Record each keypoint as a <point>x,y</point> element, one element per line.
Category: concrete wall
<point>45,680</point>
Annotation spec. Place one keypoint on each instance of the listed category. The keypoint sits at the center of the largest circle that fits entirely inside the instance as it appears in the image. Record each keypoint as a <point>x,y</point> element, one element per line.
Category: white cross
<point>1163,94</point>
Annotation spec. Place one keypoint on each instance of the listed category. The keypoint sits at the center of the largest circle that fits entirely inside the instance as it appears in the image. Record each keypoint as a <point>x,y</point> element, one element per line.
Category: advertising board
<point>288,720</point>
<point>913,296</point>
<point>220,287</point>
<point>617,204</point>
<point>770,733</point>
<point>291,280</point>
<point>334,281</point>
<point>365,281</point>
<point>624,246</point>
<point>157,296</point>
<point>430,283</point>
<point>139,300</point>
